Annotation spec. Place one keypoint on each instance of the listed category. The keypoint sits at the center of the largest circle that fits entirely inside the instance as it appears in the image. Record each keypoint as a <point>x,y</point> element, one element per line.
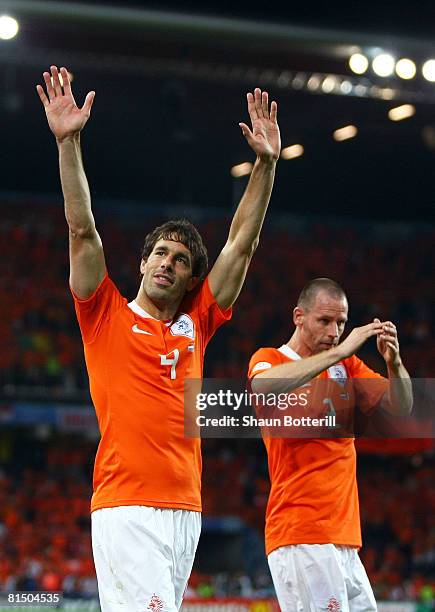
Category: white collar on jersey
<point>139,310</point>
<point>134,306</point>
<point>288,352</point>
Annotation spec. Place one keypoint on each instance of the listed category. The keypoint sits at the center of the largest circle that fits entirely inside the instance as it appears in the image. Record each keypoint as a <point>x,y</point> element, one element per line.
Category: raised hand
<point>388,343</point>
<point>64,117</point>
<point>264,138</point>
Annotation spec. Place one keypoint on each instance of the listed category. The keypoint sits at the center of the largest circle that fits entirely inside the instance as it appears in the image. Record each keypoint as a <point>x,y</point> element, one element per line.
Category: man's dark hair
<point>180,230</point>
<point>308,294</point>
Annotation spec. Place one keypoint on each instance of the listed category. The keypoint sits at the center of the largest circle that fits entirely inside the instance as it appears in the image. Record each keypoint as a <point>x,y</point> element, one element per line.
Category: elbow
<point>402,409</point>
<point>254,246</point>
<point>81,232</point>
<point>408,406</point>
<point>247,251</point>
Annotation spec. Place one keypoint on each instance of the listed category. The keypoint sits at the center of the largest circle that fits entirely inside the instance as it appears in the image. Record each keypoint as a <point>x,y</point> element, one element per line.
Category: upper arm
<point>87,264</point>
<point>228,274</point>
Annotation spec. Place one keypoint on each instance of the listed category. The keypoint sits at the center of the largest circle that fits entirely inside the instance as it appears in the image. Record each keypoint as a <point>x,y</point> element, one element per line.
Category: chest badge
<point>183,326</point>
<point>338,373</point>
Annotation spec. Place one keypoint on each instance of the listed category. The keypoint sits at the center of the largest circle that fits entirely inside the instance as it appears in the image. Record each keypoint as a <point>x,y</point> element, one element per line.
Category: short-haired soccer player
<point>312,520</point>
<point>146,502</point>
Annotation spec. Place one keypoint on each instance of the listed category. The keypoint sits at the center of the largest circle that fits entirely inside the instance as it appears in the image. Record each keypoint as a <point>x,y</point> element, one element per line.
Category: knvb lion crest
<point>333,605</point>
<point>156,604</point>
<point>183,326</point>
<point>338,374</point>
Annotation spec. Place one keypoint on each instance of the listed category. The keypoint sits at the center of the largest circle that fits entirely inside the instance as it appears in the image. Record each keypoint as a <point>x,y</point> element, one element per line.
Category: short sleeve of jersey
<point>264,359</point>
<point>211,315</point>
<point>369,385</point>
<point>93,312</point>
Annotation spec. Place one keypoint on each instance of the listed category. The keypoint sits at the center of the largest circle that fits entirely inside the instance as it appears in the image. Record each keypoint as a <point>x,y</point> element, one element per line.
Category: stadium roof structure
<point>170,91</point>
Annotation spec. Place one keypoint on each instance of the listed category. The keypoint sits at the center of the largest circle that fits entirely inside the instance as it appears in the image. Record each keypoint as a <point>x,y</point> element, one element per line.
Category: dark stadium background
<point>161,141</point>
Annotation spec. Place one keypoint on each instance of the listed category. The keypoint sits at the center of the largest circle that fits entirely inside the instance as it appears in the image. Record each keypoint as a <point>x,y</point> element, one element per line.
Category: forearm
<point>248,219</point>
<point>398,399</point>
<point>75,187</point>
<point>289,376</point>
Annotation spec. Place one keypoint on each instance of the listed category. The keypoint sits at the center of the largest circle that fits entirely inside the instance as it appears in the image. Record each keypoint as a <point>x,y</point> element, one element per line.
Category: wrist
<point>266,161</point>
<point>74,137</point>
<point>395,366</point>
<point>337,353</point>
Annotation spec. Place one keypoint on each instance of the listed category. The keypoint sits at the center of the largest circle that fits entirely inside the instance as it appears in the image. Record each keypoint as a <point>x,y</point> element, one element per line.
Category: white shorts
<point>320,577</point>
<point>143,556</point>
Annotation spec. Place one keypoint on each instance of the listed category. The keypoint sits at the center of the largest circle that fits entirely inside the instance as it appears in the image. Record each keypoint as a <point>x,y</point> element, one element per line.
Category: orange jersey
<point>137,366</point>
<point>314,497</point>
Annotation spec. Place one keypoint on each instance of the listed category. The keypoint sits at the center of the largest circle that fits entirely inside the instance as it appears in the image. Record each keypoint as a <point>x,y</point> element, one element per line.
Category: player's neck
<point>298,346</point>
<point>160,311</point>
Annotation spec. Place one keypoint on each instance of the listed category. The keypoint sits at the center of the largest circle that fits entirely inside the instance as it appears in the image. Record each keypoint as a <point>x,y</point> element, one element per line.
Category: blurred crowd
<point>45,486</point>
<point>386,270</point>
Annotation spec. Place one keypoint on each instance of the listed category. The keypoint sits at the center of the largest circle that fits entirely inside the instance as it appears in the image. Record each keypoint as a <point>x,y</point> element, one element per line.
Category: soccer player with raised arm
<point>146,502</point>
<point>312,520</point>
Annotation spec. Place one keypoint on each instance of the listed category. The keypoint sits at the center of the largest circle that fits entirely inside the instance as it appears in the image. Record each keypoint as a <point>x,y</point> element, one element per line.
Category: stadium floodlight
<point>298,81</point>
<point>8,27</point>
<point>358,63</point>
<point>387,93</point>
<point>346,87</point>
<point>292,151</point>
<point>360,90</point>
<point>344,133</point>
<point>383,65</point>
<point>401,112</point>
<point>405,68</point>
<point>329,84</point>
<point>242,169</point>
<point>313,82</point>
<point>428,70</point>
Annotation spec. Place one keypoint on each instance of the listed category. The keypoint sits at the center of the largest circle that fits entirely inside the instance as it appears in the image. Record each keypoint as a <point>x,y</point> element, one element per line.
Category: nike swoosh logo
<point>137,330</point>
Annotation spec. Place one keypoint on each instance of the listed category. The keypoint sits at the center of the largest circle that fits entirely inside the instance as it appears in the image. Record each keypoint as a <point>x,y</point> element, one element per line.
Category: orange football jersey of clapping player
<point>314,496</point>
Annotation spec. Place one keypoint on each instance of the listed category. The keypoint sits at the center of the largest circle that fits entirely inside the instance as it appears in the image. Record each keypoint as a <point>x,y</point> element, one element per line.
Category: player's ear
<point>298,316</point>
<point>192,283</point>
<point>142,265</point>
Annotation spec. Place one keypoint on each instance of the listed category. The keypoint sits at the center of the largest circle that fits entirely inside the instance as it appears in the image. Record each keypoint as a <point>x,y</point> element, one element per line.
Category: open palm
<point>264,138</point>
<point>64,117</point>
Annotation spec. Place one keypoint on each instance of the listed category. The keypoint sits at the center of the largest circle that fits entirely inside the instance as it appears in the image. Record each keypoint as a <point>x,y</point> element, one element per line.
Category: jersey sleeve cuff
<point>92,296</point>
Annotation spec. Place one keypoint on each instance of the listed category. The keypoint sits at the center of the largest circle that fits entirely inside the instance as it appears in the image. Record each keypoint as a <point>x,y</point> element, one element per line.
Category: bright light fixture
<point>241,169</point>
<point>313,82</point>
<point>344,133</point>
<point>401,112</point>
<point>8,27</point>
<point>387,93</point>
<point>329,84</point>
<point>293,151</point>
<point>346,87</point>
<point>383,64</point>
<point>405,68</point>
<point>360,90</point>
<point>429,70</point>
<point>358,63</point>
